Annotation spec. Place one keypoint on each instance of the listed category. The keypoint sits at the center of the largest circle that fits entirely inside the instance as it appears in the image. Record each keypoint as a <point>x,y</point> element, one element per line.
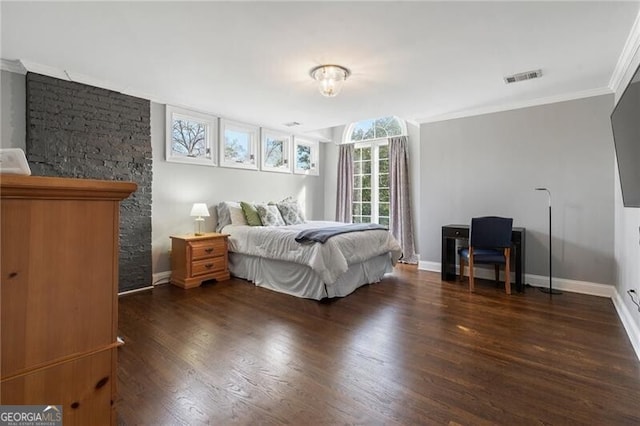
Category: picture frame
<point>238,145</point>
<point>306,159</point>
<point>276,151</point>
<point>191,136</point>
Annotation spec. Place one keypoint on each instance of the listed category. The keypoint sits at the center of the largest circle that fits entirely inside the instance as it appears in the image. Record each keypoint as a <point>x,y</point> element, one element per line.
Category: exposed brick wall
<point>75,130</point>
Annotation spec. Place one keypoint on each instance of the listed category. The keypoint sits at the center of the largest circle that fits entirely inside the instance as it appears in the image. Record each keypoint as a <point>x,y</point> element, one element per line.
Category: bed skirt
<point>301,281</point>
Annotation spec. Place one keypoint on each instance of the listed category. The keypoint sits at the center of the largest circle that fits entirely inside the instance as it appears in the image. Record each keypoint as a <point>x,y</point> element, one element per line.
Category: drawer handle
<point>208,265</point>
<point>209,250</point>
<point>75,405</point>
<point>102,382</point>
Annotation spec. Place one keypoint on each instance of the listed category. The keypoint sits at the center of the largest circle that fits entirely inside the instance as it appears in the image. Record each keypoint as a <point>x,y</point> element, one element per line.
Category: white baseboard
<point>136,290</point>
<point>582,287</point>
<point>627,320</point>
<point>161,277</point>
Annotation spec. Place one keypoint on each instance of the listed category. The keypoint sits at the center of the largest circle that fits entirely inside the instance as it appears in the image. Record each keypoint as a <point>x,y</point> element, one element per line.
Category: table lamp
<point>199,211</point>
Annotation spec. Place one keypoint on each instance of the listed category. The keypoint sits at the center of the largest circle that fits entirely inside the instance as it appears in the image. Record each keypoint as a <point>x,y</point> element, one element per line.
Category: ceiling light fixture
<point>330,78</point>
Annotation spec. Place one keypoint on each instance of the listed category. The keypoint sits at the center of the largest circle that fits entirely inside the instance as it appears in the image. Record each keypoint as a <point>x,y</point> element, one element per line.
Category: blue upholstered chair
<point>489,243</point>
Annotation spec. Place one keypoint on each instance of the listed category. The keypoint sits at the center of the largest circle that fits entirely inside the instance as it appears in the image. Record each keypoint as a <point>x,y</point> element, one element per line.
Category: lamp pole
<point>550,290</point>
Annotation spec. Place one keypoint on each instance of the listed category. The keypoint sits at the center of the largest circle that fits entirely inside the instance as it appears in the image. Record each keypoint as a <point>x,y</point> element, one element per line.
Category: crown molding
<point>626,59</point>
<point>14,66</point>
<point>517,105</point>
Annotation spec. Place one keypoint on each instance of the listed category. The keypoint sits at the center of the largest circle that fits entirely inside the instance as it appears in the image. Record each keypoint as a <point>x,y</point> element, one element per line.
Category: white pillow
<point>237,215</point>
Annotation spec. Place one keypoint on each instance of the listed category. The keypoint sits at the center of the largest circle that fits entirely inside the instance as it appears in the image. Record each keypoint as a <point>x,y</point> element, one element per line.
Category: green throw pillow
<point>250,212</point>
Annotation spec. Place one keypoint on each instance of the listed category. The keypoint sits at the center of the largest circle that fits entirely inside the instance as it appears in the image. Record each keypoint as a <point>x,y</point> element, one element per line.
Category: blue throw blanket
<point>321,235</point>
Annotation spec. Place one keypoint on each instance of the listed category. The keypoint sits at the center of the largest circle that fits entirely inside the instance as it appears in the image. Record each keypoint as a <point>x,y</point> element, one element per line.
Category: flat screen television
<point>625,121</point>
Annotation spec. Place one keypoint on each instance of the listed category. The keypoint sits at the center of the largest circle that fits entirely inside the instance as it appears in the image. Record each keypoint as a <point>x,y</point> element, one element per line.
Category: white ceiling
<point>250,61</point>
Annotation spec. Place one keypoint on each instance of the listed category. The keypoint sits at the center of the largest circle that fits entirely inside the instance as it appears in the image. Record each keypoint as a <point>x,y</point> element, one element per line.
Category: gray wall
<point>489,165</point>
<point>13,110</point>
<point>177,186</point>
<point>80,131</point>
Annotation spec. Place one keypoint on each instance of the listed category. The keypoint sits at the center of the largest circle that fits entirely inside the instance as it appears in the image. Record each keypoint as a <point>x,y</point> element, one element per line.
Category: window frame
<point>252,132</point>
<point>375,145</point>
<point>210,123</point>
<point>287,152</point>
<point>314,146</point>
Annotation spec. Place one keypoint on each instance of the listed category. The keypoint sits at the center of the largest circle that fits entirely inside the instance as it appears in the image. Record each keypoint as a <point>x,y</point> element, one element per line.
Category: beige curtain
<point>344,198</point>
<point>401,220</point>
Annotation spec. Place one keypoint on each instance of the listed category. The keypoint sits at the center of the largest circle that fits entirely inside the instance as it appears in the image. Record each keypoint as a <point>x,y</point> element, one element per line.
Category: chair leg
<point>471,279</point>
<point>461,268</point>
<point>507,270</point>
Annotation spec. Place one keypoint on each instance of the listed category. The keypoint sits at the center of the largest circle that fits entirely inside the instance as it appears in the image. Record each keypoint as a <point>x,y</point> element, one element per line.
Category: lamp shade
<point>330,78</point>
<point>199,210</point>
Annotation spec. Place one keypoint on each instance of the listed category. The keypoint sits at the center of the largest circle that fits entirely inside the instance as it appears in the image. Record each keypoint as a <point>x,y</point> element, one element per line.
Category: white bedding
<point>328,260</point>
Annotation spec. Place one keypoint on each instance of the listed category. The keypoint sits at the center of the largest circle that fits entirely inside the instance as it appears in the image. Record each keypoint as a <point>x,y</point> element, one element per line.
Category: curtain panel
<point>400,217</point>
<point>344,198</point>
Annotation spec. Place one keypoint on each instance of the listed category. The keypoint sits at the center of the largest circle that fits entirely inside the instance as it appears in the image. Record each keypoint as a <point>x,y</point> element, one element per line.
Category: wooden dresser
<point>59,301</point>
<point>198,258</point>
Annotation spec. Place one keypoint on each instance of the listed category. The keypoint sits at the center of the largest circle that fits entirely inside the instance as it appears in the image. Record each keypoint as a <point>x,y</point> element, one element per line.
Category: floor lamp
<point>549,290</point>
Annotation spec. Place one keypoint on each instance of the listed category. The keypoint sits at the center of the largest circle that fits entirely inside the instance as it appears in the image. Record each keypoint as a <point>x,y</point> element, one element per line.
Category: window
<point>191,136</point>
<point>377,128</point>
<point>305,156</point>
<point>371,167</point>
<point>371,183</point>
<point>238,145</point>
<point>276,150</point>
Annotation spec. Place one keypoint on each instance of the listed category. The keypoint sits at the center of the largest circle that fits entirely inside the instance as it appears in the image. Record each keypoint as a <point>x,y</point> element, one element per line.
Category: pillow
<point>224,217</point>
<point>237,215</point>
<point>291,211</point>
<point>251,214</point>
<point>270,215</point>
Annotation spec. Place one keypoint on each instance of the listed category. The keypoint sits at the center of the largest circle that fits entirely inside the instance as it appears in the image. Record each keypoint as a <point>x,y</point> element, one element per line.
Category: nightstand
<point>198,258</point>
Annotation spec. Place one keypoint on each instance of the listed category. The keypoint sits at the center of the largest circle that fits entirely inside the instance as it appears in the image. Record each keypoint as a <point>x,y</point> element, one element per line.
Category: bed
<point>270,257</point>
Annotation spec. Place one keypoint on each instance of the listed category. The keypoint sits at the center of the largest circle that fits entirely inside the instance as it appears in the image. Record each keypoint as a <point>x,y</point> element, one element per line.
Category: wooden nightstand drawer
<point>208,248</point>
<point>208,266</point>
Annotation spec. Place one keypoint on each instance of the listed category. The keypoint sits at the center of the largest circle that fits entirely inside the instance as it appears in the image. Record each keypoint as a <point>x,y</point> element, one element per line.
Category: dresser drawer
<point>208,266</point>
<point>208,248</point>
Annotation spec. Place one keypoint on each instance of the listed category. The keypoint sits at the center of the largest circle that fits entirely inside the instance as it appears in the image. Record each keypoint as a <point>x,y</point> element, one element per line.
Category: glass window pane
<point>357,181</point>
<point>384,166</point>
<point>366,181</point>
<point>357,209</point>
<point>383,152</point>
<point>274,153</point>
<point>357,195</point>
<point>357,167</point>
<point>366,195</point>
<point>303,157</point>
<point>383,180</point>
<point>366,153</point>
<point>366,219</point>
<point>189,138</point>
<point>383,221</point>
<point>366,167</point>
<point>357,219</point>
<point>237,146</point>
<point>383,209</point>
<point>366,208</point>
<point>383,195</point>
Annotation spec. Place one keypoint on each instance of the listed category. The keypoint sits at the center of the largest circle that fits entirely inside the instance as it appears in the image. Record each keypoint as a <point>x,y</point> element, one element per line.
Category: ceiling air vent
<point>528,75</point>
<point>292,124</point>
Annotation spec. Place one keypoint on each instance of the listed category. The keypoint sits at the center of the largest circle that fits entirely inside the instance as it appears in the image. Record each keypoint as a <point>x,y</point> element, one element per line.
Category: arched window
<point>375,128</point>
<point>371,167</point>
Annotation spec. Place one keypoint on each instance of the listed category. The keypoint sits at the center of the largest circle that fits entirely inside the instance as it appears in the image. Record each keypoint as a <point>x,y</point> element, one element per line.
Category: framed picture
<point>276,151</point>
<point>191,136</point>
<point>305,157</point>
<point>238,145</point>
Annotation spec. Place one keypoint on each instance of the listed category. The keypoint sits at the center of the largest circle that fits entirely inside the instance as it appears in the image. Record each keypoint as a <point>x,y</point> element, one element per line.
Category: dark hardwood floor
<point>409,350</point>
